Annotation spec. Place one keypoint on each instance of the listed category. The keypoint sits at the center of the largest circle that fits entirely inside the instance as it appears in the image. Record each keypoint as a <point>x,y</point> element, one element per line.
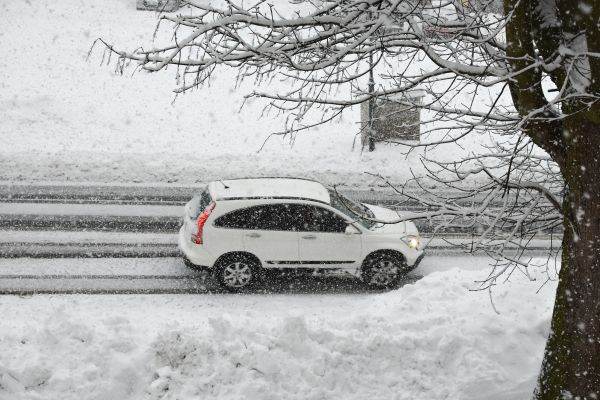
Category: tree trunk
<point>571,366</point>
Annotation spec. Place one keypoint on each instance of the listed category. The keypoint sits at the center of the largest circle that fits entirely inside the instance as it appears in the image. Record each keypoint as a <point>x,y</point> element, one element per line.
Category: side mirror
<point>351,230</point>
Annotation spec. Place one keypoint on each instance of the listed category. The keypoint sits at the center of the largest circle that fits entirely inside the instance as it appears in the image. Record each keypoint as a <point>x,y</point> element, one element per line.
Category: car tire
<point>382,270</point>
<point>237,272</point>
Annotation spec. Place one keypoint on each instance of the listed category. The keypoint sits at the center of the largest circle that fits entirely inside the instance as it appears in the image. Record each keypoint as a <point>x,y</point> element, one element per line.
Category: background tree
<point>529,74</point>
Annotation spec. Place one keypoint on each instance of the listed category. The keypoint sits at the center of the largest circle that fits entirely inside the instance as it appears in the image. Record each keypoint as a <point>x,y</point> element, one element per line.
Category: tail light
<point>197,238</point>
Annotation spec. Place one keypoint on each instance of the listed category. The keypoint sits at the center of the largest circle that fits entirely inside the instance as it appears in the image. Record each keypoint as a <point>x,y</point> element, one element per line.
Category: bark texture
<point>571,366</point>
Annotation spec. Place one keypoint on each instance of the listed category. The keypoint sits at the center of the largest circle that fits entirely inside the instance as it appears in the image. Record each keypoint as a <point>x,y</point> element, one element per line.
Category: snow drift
<point>434,339</point>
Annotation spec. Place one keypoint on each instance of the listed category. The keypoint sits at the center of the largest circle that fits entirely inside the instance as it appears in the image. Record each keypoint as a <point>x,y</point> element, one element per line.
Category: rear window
<point>199,203</point>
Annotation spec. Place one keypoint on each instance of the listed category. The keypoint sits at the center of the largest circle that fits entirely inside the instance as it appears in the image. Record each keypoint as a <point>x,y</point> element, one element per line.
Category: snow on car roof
<point>267,188</point>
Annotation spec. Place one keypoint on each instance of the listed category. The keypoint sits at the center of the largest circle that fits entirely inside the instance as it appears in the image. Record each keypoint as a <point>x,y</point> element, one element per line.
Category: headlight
<point>412,241</point>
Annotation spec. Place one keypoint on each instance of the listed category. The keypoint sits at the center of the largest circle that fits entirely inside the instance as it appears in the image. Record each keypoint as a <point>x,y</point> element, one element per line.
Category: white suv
<point>239,227</point>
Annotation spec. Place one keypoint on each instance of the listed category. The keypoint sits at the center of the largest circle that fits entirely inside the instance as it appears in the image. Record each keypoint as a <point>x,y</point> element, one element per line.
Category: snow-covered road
<point>93,238</point>
<point>133,220</point>
<point>169,275</point>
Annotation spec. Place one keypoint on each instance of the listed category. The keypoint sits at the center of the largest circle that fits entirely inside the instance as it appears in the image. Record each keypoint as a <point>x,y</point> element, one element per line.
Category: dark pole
<point>371,103</point>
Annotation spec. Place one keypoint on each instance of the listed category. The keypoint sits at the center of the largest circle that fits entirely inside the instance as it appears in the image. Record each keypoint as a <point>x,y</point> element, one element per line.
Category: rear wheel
<point>237,272</point>
<point>382,270</point>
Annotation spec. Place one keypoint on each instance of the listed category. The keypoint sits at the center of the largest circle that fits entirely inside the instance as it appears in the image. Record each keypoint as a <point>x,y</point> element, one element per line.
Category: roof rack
<point>270,177</point>
<point>273,198</point>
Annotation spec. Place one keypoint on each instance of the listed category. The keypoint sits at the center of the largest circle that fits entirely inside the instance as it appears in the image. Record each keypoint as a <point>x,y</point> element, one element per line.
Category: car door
<point>267,233</point>
<point>323,239</point>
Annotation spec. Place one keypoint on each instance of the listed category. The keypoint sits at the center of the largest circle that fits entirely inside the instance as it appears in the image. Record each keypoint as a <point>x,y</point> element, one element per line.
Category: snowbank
<point>433,339</point>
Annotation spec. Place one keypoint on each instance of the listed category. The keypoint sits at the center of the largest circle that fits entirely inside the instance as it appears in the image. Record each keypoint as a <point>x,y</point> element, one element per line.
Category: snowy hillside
<point>65,117</point>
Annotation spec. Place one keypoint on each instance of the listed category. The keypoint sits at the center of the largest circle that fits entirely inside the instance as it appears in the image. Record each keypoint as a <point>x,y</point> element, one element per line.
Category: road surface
<point>74,238</point>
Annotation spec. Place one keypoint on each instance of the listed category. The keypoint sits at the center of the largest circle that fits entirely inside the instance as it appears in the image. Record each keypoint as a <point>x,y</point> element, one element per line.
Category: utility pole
<point>371,139</point>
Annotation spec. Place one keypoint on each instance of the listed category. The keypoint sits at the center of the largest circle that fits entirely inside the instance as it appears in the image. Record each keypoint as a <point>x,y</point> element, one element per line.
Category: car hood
<point>386,214</point>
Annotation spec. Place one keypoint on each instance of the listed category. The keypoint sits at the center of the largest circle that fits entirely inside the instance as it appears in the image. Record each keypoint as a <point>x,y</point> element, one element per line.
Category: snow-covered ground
<point>67,118</point>
<point>433,339</point>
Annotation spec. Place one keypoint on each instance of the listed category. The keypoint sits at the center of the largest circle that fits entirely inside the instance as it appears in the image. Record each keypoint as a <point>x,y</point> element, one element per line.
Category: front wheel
<point>236,272</point>
<point>382,271</point>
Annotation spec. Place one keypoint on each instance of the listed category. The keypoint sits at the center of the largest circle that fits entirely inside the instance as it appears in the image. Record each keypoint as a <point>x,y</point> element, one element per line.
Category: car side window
<point>318,219</point>
<point>270,217</point>
<point>276,217</point>
<point>238,219</point>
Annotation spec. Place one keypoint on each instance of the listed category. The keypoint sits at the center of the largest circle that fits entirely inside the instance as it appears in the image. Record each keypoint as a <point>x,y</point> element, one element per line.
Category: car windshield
<point>354,210</point>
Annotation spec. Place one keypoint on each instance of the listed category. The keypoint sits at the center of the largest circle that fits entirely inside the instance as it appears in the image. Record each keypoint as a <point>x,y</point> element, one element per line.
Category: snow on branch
<point>477,73</point>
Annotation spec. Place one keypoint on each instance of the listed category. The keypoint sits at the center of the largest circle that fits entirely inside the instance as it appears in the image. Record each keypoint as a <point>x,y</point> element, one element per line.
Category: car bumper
<point>416,262</point>
<point>197,254</point>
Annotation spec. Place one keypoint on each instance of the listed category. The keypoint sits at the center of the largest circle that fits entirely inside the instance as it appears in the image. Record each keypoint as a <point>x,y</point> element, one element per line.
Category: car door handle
<point>253,235</point>
<point>310,237</point>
